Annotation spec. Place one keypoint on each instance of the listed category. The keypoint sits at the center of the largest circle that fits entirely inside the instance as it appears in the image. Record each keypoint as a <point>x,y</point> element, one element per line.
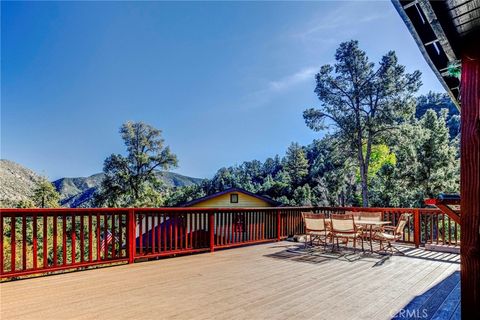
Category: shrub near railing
<point>49,240</point>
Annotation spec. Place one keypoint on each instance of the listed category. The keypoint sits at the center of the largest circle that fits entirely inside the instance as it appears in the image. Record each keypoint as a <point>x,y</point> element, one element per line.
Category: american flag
<point>108,239</point>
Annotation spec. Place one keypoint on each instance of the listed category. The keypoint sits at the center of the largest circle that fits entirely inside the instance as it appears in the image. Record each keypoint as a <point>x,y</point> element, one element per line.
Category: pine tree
<point>296,164</point>
<point>45,195</point>
<point>132,180</point>
<point>362,103</point>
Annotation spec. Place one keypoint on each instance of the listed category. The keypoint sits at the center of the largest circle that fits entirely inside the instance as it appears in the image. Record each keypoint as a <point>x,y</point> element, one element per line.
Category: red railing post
<point>279,222</point>
<point>131,232</point>
<point>211,230</point>
<point>416,227</point>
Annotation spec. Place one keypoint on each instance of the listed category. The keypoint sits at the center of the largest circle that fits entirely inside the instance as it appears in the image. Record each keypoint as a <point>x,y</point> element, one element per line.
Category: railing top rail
<point>201,209</point>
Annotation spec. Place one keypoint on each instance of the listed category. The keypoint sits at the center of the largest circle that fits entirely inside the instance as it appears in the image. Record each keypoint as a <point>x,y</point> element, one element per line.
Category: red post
<point>470,181</point>
<point>211,230</point>
<point>416,227</point>
<point>131,233</point>
<point>278,226</point>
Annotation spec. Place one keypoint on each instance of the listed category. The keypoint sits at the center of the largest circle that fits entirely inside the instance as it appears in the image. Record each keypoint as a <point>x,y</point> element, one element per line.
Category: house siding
<point>223,201</point>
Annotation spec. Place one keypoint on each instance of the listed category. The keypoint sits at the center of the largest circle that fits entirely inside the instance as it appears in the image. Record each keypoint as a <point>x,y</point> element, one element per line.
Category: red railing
<point>48,240</point>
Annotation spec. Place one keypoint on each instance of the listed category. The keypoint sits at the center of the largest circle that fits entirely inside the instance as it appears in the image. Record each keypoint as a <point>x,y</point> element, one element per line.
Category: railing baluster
<point>176,230</point>
<point>99,254</point>
<point>82,238</point>
<point>13,248</point>
<point>1,244</point>
<point>35,242</point>
<point>45,241</point>
<point>74,239</point>
<point>64,239</point>
<point>90,238</point>
<point>140,234</point>
<point>159,233</point>
<point>55,235</point>
<point>24,242</point>
<point>152,232</point>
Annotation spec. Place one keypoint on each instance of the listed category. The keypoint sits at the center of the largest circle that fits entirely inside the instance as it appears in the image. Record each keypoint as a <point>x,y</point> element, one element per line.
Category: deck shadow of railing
<point>442,301</point>
<point>318,255</point>
<point>297,252</point>
<point>420,253</point>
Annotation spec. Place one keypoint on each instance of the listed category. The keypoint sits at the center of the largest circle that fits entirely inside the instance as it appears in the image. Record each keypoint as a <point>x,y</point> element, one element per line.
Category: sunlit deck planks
<point>269,281</point>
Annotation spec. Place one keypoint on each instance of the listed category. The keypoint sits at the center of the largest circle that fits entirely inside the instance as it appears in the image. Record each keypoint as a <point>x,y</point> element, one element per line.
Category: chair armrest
<point>389,228</point>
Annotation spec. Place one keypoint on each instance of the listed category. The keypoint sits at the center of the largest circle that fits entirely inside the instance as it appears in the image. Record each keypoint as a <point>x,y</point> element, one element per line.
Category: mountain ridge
<point>17,183</point>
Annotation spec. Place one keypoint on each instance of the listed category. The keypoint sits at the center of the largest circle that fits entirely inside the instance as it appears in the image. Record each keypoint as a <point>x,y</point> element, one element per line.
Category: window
<point>233,198</point>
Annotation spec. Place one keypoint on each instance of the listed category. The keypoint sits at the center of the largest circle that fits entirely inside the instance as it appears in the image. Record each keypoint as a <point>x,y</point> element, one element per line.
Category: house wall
<point>223,201</point>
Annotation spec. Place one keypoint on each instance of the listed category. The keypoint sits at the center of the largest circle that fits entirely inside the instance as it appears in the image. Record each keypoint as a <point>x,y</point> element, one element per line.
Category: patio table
<point>369,224</point>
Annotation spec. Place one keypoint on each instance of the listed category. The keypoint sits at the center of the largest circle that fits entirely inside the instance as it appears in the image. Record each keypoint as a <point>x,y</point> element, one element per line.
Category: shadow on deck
<point>442,301</point>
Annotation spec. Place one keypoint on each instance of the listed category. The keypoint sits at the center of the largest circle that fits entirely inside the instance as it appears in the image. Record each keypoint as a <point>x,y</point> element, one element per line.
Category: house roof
<point>441,29</point>
<point>267,200</point>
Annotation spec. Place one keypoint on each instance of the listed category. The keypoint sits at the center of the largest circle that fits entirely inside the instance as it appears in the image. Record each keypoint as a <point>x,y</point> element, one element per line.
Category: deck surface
<point>268,281</point>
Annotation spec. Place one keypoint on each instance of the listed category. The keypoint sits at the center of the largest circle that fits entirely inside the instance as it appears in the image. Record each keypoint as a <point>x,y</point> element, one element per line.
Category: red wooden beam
<point>470,181</point>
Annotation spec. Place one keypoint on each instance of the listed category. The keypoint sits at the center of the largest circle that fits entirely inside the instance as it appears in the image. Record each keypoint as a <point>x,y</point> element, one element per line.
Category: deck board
<point>268,281</point>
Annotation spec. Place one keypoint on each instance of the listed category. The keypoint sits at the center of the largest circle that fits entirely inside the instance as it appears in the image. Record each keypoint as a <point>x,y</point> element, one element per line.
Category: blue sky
<point>226,82</point>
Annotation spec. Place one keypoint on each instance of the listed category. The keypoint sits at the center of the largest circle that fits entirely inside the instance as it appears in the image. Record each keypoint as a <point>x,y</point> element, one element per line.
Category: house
<point>232,197</point>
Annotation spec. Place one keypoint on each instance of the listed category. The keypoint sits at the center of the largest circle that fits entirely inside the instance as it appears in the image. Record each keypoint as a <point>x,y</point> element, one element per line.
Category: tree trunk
<point>363,176</point>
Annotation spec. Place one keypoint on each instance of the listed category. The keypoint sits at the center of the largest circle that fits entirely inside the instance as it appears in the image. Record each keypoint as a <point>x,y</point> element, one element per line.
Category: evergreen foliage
<point>131,180</point>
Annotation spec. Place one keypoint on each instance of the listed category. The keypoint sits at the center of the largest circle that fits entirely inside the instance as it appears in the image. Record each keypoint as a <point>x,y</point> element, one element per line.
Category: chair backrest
<point>375,216</point>
<point>355,214</point>
<point>342,223</point>
<point>402,222</point>
<point>314,221</point>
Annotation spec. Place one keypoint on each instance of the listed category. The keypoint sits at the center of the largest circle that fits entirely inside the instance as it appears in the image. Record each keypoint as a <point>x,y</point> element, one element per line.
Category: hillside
<point>78,192</point>
<point>16,183</point>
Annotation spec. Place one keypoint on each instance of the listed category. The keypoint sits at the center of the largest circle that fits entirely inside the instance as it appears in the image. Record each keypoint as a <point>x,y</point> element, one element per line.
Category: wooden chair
<point>391,234</point>
<point>315,228</point>
<point>343,226</point>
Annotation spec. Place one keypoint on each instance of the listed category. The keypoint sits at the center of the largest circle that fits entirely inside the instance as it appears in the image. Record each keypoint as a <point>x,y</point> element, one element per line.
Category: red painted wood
<point>64,239</point>
<point>211,228</point>
<point>90,238</point>
<point>416,233</point>
<point>470,180</point>
<point>59,268</point>
<point>113,231</point>
<point>140,234</point>
<point>1,244</point>
<point>74,238</point>
<point>24,242</point>
<point>257,226</point>
<point>164,227</point>
<point>131,238</point>
<point>55,235</point>
<point>13,244</point>
<point>35,241</point>
<point>82,238</point>
<point>98,226</point>
<point>45,241</point>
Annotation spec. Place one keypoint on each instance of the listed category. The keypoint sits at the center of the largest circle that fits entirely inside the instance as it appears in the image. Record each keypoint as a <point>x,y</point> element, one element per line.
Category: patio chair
<point>315,228</point>
<point>391,234</point>
<point>343,227</point>
<point>365,215</point>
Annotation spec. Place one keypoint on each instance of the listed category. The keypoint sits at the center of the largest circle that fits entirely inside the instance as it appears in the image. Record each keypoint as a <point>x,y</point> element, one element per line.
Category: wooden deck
<point>268,281</point>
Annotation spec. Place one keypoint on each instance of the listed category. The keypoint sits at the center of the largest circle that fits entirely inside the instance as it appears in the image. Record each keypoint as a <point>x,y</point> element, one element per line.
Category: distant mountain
<point>16,183</point>
<point>78,192</point>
